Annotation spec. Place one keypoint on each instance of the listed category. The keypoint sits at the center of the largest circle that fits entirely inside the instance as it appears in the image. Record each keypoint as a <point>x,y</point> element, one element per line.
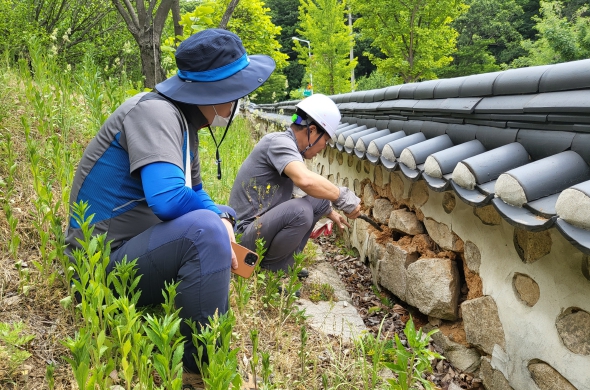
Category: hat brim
<point>222,91</point>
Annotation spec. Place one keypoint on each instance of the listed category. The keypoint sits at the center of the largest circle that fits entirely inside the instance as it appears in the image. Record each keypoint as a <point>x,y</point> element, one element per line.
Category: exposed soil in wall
<point>454,331</point>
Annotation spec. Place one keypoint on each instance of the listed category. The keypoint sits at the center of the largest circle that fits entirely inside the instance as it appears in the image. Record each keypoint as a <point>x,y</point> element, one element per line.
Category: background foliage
<point>392,42</point>
<point>323,24</point>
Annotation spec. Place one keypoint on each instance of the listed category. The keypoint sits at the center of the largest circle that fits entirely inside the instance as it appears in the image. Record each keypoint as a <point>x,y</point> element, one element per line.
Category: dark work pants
<point>193,249</point>
<point>285,230</point>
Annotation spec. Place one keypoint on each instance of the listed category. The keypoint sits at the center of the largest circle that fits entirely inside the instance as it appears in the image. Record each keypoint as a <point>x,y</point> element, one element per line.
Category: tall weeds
<point>48,113</point>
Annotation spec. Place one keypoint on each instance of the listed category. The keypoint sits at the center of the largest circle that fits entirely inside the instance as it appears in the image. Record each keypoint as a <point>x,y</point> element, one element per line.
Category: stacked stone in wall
<point>518,295</point>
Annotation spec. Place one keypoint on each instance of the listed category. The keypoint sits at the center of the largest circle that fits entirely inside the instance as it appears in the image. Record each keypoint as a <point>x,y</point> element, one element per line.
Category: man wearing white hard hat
<point>262,192</point>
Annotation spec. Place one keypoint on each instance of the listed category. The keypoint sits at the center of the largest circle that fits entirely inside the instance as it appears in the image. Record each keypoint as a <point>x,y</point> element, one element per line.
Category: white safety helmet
<point>323,111</point>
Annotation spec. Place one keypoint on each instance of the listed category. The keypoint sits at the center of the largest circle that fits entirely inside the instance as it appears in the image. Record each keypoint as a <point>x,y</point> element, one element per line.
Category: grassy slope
<point>62,113</point>
<point>63,116</point>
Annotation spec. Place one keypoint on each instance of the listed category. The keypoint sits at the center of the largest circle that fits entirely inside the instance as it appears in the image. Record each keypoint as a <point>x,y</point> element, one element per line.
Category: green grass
<point>236,146</point>
<point>47,117</point>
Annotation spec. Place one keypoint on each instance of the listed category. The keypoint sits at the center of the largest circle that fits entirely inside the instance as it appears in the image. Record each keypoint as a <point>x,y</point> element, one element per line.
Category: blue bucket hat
<point>214,68</point>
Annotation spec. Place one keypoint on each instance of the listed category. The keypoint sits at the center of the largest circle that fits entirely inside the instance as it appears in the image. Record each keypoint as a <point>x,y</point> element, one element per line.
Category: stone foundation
<point>511,288</point>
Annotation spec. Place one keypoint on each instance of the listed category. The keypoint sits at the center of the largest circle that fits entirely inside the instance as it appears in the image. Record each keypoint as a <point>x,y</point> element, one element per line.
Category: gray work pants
<point>285,230</point>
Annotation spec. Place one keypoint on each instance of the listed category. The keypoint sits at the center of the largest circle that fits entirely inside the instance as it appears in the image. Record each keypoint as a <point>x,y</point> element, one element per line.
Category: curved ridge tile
<point>445,161</point>
<point>362,144</point>
<point>581,145</point>
<point>413,157</point>
<point>350,141</point>
<point>395,125</point>
<point>542,178</point>
<point>341,137</point>
<point>407,91</point>
<point>519,81</point>
<point>425,89</point>
<point>434,129</point>
<point>448,88</point>
<point>490,165</point>
<point>493,137</point>
<point>478,84</point>
<point>391,92</point>
<point>521,217</point>
<point>419,152</point>
<point>375,147</point>
<point>541,144</point>
<point>461,133</point>
<point>392,150</point>
<point>412,126</point>
<point>559,76</point>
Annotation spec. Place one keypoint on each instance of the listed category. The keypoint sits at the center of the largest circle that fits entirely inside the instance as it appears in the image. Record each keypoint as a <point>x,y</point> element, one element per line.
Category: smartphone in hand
<point>247,260</point>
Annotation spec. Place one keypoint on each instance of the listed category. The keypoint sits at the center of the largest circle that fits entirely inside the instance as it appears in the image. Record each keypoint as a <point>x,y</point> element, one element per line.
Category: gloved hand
<point>347,201</point>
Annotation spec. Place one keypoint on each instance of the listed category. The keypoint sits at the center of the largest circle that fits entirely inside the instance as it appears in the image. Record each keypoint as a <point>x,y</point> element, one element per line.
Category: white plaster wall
<point>530,332</point>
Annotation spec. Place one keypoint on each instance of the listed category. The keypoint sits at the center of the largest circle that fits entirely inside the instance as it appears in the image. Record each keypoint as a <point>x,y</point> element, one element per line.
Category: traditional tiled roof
<point>517,139</point>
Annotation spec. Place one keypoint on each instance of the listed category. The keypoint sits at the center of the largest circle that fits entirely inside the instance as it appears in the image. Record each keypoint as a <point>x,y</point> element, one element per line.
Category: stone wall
<point>522,297</point>
<point>512,305</point>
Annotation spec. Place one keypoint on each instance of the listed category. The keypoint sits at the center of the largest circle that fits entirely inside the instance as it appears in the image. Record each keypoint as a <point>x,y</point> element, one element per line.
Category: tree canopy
<point>560,38</point>
<point>414,35</point>
<point>323,24</point>
<point>392,42</point>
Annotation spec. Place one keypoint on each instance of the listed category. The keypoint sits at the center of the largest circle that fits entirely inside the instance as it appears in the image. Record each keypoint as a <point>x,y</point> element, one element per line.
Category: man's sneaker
<point>303,274</point>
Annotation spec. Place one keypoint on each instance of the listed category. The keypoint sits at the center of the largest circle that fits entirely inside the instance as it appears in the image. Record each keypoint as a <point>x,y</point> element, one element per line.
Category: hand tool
<point>372,222</point>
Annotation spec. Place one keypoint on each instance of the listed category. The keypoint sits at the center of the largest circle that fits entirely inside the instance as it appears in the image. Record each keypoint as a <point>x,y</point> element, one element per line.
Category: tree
<point>228,13</point>
<point>146,25</point>
<point>324,24</point>
<point>560,38</point>
<point>415,35</point>
<point>285,14</point>
<point>491,26</point>
<point>69,29</point>
<point>474,58</point>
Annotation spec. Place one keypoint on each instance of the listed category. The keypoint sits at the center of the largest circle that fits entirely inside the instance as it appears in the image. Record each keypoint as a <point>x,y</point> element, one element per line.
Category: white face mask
<point>222,121</point>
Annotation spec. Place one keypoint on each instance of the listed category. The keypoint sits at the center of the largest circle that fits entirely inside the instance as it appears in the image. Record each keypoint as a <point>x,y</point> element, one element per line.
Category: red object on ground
<point>322,227</point>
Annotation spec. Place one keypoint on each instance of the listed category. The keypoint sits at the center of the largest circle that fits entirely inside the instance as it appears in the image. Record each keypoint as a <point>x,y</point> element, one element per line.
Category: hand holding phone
<point>247,260</point>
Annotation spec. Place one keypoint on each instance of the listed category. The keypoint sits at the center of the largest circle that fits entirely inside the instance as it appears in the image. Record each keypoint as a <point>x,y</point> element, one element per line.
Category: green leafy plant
<point>255,356</point>
<point>13,341</point>
<point>412,363</point>
<point>320,292</point>
<point>220,369</point>
<point>376,348</point>
<point>302,351</point>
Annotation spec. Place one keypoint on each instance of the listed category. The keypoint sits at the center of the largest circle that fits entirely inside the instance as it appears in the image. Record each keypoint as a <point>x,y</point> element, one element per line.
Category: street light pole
<point>309,52</point>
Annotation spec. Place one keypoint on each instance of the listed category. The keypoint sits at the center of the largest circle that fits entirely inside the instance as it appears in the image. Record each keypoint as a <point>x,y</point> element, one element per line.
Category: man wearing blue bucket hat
<point>141,178</point>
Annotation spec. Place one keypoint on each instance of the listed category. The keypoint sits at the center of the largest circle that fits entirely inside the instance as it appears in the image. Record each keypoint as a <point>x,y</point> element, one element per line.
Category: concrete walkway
<point>339,319</point>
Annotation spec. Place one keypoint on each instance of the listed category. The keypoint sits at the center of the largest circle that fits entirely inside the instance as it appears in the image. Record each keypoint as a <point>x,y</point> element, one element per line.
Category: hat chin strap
<point>217,145</point>
<point>309,144</point>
